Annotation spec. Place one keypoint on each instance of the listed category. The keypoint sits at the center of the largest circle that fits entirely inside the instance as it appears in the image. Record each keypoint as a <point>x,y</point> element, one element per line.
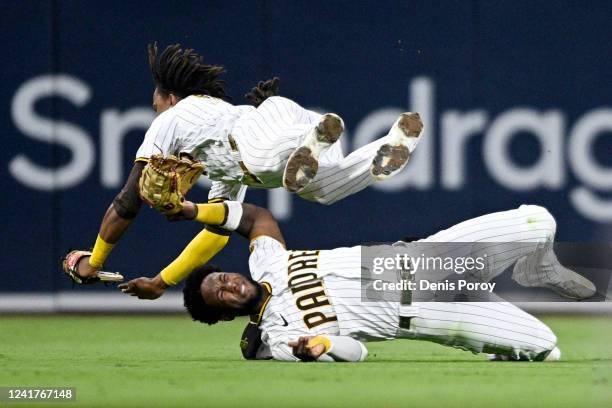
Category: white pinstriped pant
<point>269,134</point>
<point>489,327</point>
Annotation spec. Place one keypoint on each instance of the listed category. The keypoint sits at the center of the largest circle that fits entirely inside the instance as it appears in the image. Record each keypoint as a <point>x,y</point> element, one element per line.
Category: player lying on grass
<point>276,144</point>
<point>308,304</point>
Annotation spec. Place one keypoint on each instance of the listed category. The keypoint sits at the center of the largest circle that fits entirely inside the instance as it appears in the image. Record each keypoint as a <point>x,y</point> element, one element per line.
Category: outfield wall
<point>515,97</point>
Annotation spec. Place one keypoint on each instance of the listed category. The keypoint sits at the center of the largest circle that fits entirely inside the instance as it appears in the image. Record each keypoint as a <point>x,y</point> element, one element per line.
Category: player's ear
<point>226,318</point>
<point>173,99</point>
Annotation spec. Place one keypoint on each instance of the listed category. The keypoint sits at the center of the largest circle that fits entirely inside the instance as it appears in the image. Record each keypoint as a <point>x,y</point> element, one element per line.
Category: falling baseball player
<point>308,305</point>
<point>278,143</point>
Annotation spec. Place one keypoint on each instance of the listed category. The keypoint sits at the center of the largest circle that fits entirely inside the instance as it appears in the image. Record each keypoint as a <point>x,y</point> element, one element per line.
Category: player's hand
<point>188,212</point>
<point>263,91</point>
<point>144,288</point>
<point>305,353</point>
<point>85,270</point>
<point>76,265</point>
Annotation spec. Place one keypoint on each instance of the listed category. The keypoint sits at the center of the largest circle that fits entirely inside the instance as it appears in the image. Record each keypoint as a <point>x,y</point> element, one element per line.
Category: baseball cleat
<point>553,355</point>
<point>393,157</point>
<point>499,357</point>
<point>303,164</point>
<point>561,280</point>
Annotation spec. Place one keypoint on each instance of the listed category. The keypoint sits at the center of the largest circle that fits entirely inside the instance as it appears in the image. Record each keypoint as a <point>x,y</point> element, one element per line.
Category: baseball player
<point>276,144</point>
<point>307,304</point>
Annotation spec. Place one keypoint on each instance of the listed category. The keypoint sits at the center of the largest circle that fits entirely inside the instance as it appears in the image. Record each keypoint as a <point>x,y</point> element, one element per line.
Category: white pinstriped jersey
<point>316,292</point>
<point>199,125</point>
<point>490,327</point>
<point>265,138</point>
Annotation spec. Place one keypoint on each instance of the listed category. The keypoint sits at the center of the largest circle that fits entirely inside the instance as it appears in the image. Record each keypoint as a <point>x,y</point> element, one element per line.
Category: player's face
<point>228,290</point>
<point>161,102</point>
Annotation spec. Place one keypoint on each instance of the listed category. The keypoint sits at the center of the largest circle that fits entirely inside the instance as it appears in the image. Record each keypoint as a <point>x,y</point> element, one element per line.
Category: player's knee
<point>540,218</point>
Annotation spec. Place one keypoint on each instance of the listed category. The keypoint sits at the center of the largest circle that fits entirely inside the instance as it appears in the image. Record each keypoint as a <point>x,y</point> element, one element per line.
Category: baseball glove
<point>70,264</point>
<point>165,181</point>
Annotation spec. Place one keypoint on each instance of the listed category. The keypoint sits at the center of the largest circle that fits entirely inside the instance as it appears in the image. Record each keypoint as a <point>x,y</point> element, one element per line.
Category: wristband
<point>100,252</point>
<point>234,215</point>
<point>316,340</point>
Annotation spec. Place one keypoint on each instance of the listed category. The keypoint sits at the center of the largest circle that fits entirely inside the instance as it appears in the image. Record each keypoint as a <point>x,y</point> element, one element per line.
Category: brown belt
<point>247,174</point>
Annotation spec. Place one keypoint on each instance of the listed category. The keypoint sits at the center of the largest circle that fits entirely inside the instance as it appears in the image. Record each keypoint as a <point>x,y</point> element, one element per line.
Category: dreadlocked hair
<point>182,72</point>
<point>192,296</point>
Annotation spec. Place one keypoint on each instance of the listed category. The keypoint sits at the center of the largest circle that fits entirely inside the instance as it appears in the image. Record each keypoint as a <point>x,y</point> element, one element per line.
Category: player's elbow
<point>253,214</point>
<point>128,202</point>
<point>127,205</point>
<point>264,214</point>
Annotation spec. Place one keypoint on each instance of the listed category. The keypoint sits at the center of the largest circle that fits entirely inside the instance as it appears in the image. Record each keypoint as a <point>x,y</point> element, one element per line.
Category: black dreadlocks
<point>182,72</point>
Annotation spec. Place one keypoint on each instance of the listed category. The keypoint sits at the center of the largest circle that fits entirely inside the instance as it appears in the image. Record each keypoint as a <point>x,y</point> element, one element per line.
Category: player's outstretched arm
<point>221,218</point>
<point>248,220</point>
<point>327,348</point>
<point>116,221</point>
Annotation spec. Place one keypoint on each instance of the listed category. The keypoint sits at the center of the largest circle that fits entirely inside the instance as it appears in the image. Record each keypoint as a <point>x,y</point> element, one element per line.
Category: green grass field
<point>170,361</point>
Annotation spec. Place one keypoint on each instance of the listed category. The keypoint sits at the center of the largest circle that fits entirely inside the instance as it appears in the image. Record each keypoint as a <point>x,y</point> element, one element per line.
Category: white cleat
<point>499,357</point>
<point>393,157</point>
<point>555,355</point>
<point>303,164</point>
<point>571,285</point>
<point>561,280</point>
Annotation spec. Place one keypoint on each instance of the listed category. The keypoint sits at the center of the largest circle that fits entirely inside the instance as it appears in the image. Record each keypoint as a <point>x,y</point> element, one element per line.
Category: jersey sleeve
<point>281,351</point>
<point>266,245</point>
<point>263,249</point>
<point>221,191</point>
<point>266,253</point>
<point>343,348</point>
<point>161,138</point>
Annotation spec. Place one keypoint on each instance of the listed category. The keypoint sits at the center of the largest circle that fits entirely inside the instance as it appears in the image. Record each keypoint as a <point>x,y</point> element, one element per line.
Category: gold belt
<point>247,174</point>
